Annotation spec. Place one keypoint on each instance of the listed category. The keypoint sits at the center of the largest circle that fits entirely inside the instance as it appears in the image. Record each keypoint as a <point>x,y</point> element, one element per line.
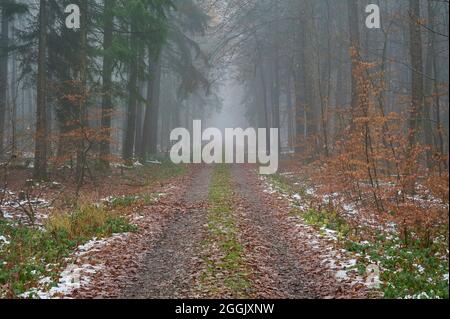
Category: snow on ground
<point>76,274</point>
<point>17,204</point>
<point>79,271</point>
<point>340,261</point>
<point>16,210</point>
<point>136,164</point>
<point>3,241</point>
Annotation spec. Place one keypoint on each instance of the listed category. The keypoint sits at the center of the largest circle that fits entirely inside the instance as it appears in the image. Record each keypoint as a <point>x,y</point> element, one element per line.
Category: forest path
<point>167,266</point>
<point>275,259</point>
<point>278,260</point>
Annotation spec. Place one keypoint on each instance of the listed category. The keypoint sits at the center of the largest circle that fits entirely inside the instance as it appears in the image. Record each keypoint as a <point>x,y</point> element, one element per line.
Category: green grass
<point>131,200</point>
<point>328,220</point>
<point>150,174</point>
<point>412,270</point>
<point>166,170</point>
<point>282,183</point>
<point>229,265</point>
<point>35,253</point>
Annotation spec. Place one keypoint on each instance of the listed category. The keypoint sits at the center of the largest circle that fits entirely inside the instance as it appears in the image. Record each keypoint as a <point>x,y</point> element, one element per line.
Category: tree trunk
<point>356,48</point>
<point>155,106</point>
<point>129,141</point>
<point>108,65</point>
<point>309,72</point>
<point>40,165</point>
<point>428,106</point>
<point>4,43</point>
<point>416,110</point>
<point>14,96</point>
<point>149,117</point>
<point>139,122</point>
<point>83,143</point>
<point>265,103</point>
<point>276,98</point>
<point>291,112</point>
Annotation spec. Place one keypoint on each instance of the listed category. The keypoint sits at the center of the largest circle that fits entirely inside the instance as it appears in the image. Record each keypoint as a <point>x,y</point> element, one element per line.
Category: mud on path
<point>170,261</point>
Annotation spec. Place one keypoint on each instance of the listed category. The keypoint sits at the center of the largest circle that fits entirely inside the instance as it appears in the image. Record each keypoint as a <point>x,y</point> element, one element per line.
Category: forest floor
<point>181,232</point>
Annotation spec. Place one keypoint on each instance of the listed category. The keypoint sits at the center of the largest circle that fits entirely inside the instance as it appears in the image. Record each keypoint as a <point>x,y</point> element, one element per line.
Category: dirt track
<point>277,254</point>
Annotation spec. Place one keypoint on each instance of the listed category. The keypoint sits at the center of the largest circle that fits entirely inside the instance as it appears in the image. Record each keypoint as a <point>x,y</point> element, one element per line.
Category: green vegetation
<point>226,260</point>
<point>166,170</point>
<point>325,219</point>
<point>153,173</point>
<point>407,271</point>
<point>282,183</point>
<point>31,253</point>
<point>131,200</point>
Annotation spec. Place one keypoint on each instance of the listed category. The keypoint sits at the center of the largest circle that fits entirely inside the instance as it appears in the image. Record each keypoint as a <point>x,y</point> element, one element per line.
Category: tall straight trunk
<point>276,98</point>
<point>263,82</point>
<point>149,110</point>
<point>40,165</point>
<point>83,144</point>
<point>108,65</point>
<point>324,97</point>
<point>139,121</point>
<point>14,96</point>
<point>300,124</point>
<point>4,43</point>
<point>276,79</point>
<point>291,113</point>
<point>340,97</point>
<point>308,57</point>
<point>164,136</point>
<point>417,96</point>
<point>437,99</point>
<point>299,108</point>
<point>129,141</point>
<point>156,109</point>
<point>356,47</point>
<point>265,103</point>
<point>428,87</point>
<point>146,129</point>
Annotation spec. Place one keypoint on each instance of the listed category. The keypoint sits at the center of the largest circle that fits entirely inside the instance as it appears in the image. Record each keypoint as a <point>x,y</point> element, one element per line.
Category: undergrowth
<point>412,270</point>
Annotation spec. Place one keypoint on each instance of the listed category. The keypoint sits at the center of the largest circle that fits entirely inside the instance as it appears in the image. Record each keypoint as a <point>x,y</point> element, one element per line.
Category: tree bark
<point>4,43</point>
<point>356,48</point>
<point>129,141</point>
<point>139,121</point>
<point>149,110</point>
<point>156,109</point>
<point>108,65</point>
<point>417,97</point>
<point>428,105</point>
<point>83,143</point>
<point>40,165</point>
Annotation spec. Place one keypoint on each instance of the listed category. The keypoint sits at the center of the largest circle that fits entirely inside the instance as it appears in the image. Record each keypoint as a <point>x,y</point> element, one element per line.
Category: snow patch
<point>74,276</point>
<point>4,241</point>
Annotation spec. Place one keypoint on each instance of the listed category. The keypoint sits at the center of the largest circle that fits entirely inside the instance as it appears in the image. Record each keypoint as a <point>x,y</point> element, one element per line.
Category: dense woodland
<point>137,69</point>
<point>363,113</point>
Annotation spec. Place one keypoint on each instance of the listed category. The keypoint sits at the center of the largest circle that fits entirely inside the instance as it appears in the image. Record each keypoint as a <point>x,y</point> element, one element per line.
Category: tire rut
<point>169,263</point>
<point>286,270</point>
